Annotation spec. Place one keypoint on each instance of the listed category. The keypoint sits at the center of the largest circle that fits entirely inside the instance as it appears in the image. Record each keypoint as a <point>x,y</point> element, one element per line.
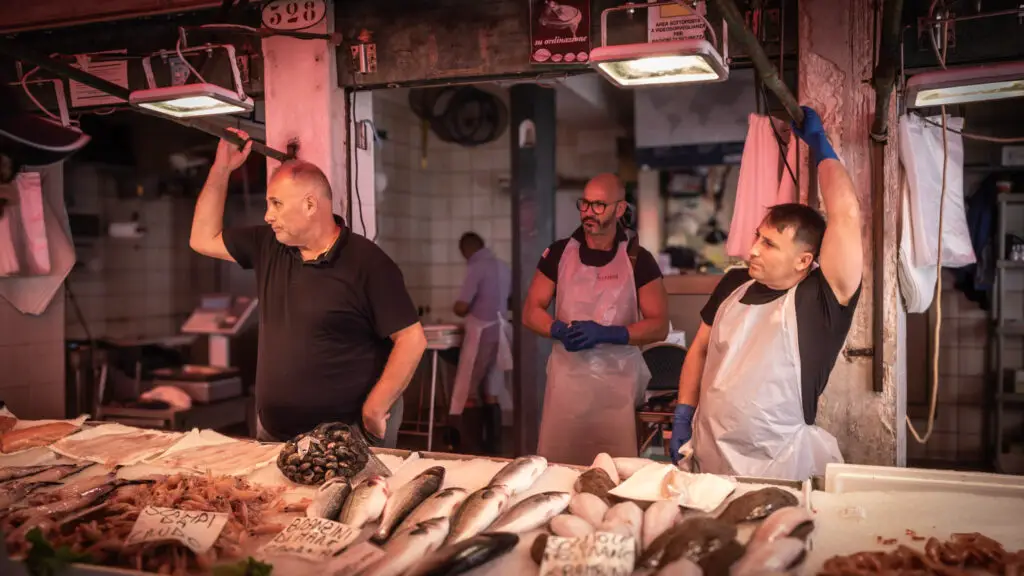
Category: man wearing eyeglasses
<point>609,300</point>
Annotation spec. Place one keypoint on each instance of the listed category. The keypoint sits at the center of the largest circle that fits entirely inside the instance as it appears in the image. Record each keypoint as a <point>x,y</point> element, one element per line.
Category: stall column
<point>304,104</point>
<point>532,132</point>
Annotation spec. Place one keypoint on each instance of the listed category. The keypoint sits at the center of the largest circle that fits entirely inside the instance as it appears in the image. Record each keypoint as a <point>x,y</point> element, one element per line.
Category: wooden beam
<point>48,14</point>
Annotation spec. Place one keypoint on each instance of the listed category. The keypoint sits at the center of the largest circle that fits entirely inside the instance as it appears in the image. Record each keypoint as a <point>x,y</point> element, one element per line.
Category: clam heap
<point>330,450</point>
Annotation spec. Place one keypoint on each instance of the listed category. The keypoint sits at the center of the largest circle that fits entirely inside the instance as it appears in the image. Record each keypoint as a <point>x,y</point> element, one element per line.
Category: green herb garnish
<point>45,560</point>
<point>248,567</point>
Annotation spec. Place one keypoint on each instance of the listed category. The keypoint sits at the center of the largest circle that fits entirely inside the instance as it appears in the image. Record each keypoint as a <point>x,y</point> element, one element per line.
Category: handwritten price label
<point>597,554</point>
<point>311,538</point>
<point>197,530</point>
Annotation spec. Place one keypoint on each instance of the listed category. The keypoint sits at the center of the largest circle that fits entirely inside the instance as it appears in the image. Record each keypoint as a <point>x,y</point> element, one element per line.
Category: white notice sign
<point>311,538</point>
<point>675,22</point>
<point>354,560</point>
<point>197,530</point>
<point>115,71</point>
<point>597,554</point>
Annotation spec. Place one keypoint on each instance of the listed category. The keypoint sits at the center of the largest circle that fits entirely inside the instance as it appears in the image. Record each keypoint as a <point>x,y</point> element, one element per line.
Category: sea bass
<point>404,500</point>
<point>329,499</point>
<point>519,474</point>
<point>366,502</point>
<point>440,505</point>
<point>478,512</point>
<point>409,547</point>
<point>46,473</point>
<point>532,513</point>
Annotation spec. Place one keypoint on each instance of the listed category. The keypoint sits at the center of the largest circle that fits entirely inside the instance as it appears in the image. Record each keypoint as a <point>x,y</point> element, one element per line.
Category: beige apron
<point>590,398</point>
<point>473,366</point>
<point>750,418</point>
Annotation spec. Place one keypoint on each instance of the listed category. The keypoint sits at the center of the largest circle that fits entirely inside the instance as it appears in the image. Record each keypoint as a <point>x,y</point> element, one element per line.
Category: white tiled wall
<point>424,210</point>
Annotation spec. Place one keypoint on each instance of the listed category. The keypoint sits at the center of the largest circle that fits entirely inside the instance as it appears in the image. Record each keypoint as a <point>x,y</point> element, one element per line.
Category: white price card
<point>311,538</point>
<point>197,530</point>
<point>354,560</point>
<point>597,554</point>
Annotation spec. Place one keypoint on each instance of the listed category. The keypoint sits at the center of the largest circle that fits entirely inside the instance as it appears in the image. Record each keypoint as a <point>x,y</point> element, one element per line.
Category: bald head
<point>305,176</point>
<point>608,186</point>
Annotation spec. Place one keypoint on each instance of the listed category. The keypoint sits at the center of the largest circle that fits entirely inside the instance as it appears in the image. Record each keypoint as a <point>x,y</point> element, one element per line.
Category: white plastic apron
<point>750,418</point>
<point>469,357</point>
<point>590,398</point>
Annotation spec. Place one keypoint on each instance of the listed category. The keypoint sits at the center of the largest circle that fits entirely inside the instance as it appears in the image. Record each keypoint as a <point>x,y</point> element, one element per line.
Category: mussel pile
<point>329,451</point>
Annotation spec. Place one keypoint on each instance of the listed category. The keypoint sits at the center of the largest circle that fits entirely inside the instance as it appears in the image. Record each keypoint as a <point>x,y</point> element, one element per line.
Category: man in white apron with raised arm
<point>770,335</point>
<point>485,355</point>
<point>609,301</point>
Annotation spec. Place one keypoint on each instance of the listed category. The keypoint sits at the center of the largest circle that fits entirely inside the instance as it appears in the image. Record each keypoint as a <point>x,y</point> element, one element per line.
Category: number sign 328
<point>293,14</point>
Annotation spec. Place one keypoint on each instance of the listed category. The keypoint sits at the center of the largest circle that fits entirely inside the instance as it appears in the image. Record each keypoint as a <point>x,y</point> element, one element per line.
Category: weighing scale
<point>219,317</point>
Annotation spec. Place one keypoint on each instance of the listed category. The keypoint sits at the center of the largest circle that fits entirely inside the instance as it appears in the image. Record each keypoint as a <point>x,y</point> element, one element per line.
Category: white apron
<point>750,418</point>
<point>468,375</point>
<point>591,395</point>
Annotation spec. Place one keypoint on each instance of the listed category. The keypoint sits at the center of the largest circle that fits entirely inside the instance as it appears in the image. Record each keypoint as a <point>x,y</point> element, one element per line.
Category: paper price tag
<point>597,554</point>
<point>197,530</point>
<point>355,559</point>
<point>311,538</point>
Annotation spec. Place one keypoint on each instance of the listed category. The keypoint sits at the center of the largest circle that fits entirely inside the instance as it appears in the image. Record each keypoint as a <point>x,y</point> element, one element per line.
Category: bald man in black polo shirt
<point>339,336</point>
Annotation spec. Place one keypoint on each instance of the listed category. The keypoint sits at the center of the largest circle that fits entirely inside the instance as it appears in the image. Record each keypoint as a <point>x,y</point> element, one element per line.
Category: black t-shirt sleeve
<point>390,303</point>
<point>732,280</point>
<point>246,243</point>
<point>646,270</point>
<point>549,260</point>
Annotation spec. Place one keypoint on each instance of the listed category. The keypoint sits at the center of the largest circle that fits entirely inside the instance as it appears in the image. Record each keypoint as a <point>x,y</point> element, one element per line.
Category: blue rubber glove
<point>560,332</point>
<point>813,133</point>
<point>682,429</point>
<point>586,334</point>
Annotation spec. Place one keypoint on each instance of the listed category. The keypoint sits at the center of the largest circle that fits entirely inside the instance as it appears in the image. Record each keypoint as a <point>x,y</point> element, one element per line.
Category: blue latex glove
<point>560,332</point>
<point>682,429</point>
<point>813,133</point>
<point>586,334</point>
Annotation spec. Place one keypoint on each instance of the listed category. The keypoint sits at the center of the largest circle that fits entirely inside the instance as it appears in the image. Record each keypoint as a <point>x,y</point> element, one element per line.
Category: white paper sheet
<point>144,444</point>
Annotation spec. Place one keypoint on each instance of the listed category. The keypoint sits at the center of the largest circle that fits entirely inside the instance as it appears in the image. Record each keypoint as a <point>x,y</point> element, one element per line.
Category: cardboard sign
<point>354,560</point>
<point>197,530</point>
<point>597,554</point>
<point>311,538</point>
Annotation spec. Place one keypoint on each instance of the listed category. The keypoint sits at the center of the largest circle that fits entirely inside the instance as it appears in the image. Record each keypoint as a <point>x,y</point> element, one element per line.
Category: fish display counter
<point>110,499</point>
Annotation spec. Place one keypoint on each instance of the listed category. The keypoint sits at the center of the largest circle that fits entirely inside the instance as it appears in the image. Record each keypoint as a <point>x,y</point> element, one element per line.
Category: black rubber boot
<point>492,429</point>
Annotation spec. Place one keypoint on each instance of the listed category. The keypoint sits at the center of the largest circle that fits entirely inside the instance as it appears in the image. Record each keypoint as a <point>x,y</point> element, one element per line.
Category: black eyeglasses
<point>596,205</point>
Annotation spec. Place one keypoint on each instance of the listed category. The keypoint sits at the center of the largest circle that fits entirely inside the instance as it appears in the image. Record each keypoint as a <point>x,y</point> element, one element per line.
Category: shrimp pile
<point>101,531</point>
<point>962,555</point>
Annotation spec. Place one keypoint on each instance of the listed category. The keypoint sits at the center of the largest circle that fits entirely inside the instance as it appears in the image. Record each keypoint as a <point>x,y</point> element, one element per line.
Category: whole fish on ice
<point>520,474</point>
<point>330,497</point>
<point>441,505</point>
<point>404,500</point>
<point>531,513</point>
<point>407,548</point>
<point>366,502</point>
<point>478,512</point>
<point>466,555</point>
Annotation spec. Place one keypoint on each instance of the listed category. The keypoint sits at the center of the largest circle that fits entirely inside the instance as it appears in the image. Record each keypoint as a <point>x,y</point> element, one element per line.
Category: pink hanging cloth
<point>24,248</point>
<point>759,187</point>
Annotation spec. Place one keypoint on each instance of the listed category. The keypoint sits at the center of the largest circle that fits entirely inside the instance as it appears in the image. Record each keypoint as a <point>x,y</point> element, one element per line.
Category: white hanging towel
<point>24,250</point>
<point>921,153</point>
<point>917,284</point>
<point>47,242</point>
<point>759,187</point>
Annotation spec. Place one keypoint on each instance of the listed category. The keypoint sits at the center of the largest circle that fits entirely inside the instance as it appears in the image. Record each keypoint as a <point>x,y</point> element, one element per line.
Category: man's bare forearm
<point>689,381</point>
<point>837,191</point>
<point>400,367</point>
<point>538,320</point>
<point>208,220</point>
<point>648,331</point>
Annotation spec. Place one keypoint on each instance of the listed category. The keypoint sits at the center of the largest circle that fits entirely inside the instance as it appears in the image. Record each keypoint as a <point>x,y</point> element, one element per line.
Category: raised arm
<point>842,253</point>
<point>206,237</point>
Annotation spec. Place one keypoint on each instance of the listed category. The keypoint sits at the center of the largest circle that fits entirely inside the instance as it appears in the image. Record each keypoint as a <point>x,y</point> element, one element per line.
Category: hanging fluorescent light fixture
<point>694,61</point>
<point>191,100</point>
<point>966,84</point>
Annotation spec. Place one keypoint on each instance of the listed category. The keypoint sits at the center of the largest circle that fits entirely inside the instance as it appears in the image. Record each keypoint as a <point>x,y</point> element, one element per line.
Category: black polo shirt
<point>325,326</point>
<point>645,271</point>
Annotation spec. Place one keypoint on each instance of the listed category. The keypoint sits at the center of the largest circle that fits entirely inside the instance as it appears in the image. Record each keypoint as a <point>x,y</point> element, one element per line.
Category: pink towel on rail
<point>24,248</point>
<point>758,188</point>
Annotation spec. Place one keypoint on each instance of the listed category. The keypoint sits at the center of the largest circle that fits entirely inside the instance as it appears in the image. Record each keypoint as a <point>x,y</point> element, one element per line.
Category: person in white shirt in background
<point>486,354</point>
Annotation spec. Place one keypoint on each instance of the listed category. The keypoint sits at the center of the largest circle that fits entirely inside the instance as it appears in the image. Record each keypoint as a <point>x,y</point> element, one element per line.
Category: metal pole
<point>765,69</point>
<point>70,72</point>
